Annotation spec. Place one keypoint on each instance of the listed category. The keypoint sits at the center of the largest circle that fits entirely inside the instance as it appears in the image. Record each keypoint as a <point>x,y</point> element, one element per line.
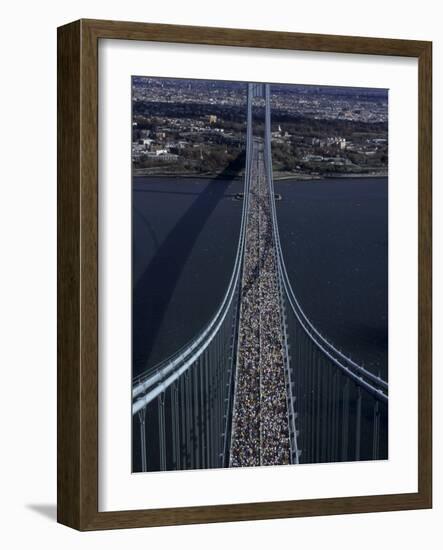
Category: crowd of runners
<point>260,434</point>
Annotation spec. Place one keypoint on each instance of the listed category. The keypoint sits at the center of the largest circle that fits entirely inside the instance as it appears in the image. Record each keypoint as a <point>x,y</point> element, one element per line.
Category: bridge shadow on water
<point>149,306</point>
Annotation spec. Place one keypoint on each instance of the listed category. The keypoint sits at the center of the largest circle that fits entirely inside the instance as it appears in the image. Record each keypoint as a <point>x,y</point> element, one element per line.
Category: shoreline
<point>188,176</point>
<point>330,177</point>
<point>288,178</point>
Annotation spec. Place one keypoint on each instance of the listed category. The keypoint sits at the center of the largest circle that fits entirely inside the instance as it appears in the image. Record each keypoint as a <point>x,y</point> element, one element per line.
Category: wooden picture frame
<point>78,274</point>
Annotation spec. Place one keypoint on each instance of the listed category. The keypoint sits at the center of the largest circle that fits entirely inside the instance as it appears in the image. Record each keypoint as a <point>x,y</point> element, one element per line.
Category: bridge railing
<point>182,407</point>
<point>340,408</point>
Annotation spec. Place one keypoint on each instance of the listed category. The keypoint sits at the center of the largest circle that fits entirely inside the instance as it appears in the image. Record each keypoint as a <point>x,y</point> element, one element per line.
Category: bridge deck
<point>260,433</point>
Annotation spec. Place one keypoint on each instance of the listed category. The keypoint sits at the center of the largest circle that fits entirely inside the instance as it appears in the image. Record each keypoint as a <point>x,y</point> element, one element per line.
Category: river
<point>334,238</point>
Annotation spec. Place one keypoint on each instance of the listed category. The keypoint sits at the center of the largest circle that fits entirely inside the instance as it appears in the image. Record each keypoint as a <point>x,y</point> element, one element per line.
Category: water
<point>334,238</point>
<point>334,235</point>
<point>185,235</point>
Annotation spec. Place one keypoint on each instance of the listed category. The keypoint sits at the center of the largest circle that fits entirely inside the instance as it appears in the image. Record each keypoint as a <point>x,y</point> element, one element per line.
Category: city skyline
<point>316,130</point>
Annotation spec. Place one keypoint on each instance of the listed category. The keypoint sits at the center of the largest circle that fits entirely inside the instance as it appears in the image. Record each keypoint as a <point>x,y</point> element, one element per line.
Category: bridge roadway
<point>260,431</point>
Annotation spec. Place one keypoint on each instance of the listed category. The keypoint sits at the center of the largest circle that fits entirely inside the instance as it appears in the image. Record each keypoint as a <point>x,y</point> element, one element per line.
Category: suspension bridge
<point>259,385</point>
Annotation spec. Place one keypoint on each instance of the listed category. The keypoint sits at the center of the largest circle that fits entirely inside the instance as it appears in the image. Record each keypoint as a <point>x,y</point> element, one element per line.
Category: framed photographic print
<point>244,274</point>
